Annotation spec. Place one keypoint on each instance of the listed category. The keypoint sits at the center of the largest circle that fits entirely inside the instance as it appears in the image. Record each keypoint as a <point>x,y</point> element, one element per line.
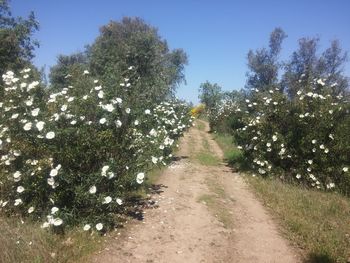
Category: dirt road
<point>206,214</point>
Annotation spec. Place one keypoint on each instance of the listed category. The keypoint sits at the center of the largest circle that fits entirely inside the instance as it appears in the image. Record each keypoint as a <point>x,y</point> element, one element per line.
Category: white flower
<point>310,162</point>
<point>99,226</point>
<point>274,138</point>
<point>107,200</point>
<point>326,150</point>
<point>17,176</point>
<point>103,120</point>
<point>20,189</point>
<point>119,100</point>
<point>313,141</point>
<point>127,110</point>
<point>118,123</point>
<point>136,122</point>
<point>87,227</point>
<point>31,210</point>
<point>92,189</point>
<point>51,181</point>
<point>40,125</point>
<point>50,135</point>
<point>29,102</point>
<point>322,147</point>
<point>268,144</point>
<point>64,107</point>
<point>14,116</point>
<point>86,72</point>
<point>153,132</point>
<point>27,126</point>
<point>45,225</point>
<point>18,201</point>
<point>109,107</point>
<point>98,87</point>
<point>154,159</point>
<point>57,222</point>
<point>140,177</point>
<point>110,175</point>
<point>119,201</point>
<point>298,176</point>
<point>100,94</point>
<point>320,81</point>
<point>345,169</point>
<point>54,210</point>
<point>147,112</point>
<point>53,172</point>
<point>35,112</point>
<point>104,170</point>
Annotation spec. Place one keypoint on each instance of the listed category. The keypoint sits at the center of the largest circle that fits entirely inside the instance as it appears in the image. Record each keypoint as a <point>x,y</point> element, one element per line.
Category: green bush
<point>304,140</point>
<point>73,157</point>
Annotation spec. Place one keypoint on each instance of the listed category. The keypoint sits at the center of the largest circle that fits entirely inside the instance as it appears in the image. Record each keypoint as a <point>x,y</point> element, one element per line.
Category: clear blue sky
<point>216,35</point>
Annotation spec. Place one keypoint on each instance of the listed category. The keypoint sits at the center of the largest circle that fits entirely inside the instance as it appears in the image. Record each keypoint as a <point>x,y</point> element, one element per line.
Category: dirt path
<point>206,214</point>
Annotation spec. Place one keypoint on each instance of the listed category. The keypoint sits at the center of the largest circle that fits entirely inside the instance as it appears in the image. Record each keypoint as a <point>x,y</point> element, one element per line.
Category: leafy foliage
<point>17,46</point>
<point>74,156</point>
<point>294,128</point>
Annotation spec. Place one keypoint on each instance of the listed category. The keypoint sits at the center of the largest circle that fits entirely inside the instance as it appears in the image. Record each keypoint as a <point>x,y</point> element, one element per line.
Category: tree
<point>305,67</point>
<point>331,67</point>
<point>17,46</point>
<point>210,95</point>
<point>134,47</point>
<point>301,69</point>
<point>67,66</point>
<point>263,63</point>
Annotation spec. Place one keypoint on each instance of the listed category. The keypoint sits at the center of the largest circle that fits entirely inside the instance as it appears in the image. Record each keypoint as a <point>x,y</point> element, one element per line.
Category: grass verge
<point>232,154</point>
<point>29,243</point>
<point>315,221</point>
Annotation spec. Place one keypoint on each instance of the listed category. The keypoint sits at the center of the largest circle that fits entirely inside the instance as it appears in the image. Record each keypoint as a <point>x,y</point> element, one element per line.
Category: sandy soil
<point>186,229</point>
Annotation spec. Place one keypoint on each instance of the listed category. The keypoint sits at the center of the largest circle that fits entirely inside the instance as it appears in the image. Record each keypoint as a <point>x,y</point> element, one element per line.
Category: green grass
<point>29,243</point>
<point>207,158</point>
<point>318,222</point>
<point>200,125</point>
<point>315,221</point>
<point>232,154</point>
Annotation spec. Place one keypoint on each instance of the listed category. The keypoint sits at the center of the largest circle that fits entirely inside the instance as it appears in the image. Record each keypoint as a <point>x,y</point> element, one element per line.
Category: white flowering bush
<point>304,140</point>
<point>73,157</point>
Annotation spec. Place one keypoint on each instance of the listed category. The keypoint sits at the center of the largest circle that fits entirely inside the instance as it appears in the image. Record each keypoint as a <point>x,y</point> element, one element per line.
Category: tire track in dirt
<point>185,229</point>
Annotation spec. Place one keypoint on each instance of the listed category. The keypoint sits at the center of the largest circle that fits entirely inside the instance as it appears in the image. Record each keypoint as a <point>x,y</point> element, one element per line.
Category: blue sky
<point>216,35</point>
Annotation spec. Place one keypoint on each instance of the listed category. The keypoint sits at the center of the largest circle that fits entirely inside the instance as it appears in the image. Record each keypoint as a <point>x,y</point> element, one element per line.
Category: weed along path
<point>205,214</point>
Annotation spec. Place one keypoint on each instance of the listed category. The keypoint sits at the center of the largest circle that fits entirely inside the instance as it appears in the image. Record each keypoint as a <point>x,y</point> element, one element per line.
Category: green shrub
<point>73,157</point>
<point>304,140</point>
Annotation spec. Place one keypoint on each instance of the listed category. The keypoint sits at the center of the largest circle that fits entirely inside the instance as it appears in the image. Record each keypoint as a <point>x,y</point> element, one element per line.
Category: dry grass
<point>315,221</point>
<point>27,242</point>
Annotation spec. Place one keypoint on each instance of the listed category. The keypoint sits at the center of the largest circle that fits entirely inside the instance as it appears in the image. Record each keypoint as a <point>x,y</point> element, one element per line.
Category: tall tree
<point>301,69</point>
<point>263,63</point>
<point>210,95</point>
<point>134,44</point>
<point>331,67</point>
<point>67,66</point>
<point>17,46</point>
<point>305,66</point>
